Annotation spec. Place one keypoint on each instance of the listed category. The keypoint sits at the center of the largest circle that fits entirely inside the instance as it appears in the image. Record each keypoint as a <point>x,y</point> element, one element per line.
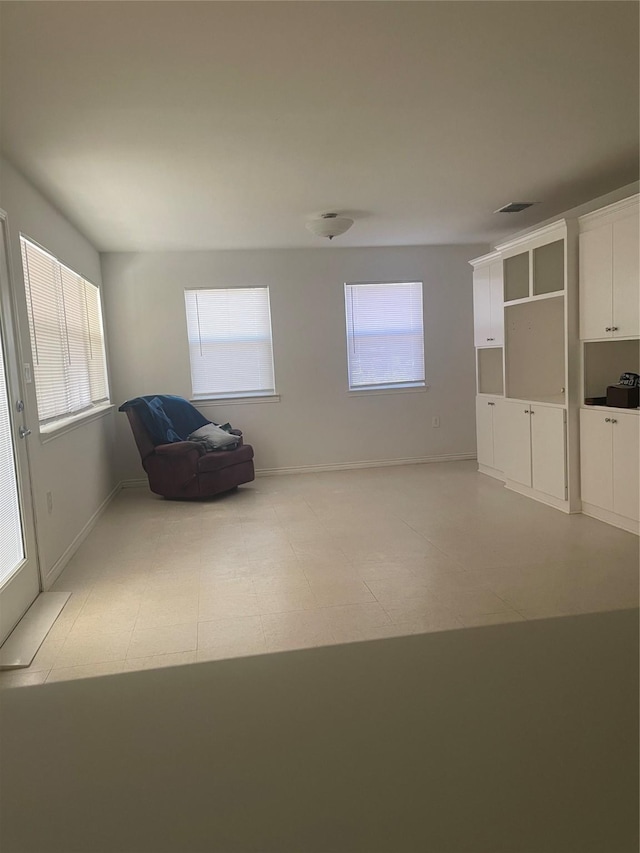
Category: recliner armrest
<point>179,448</point>
<point>237,432</point>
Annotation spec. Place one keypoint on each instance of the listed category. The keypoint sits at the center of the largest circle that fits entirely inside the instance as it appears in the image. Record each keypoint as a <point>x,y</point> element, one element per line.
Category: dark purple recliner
<point>183,469</point>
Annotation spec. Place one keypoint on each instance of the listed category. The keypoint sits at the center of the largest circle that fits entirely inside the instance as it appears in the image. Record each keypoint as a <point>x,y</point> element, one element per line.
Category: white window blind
<point>230,345</point>
<point>11,546</point>
<point>67,337</point>
<point>385,335</point>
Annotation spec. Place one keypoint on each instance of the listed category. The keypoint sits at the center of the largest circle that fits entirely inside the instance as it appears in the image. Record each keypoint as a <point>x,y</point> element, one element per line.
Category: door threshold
<point>20,647</point>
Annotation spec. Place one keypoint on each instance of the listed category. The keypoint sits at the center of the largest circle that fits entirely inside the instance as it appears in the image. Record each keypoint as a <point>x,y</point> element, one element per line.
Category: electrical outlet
<point>435,422</point>
<point>49,503</point>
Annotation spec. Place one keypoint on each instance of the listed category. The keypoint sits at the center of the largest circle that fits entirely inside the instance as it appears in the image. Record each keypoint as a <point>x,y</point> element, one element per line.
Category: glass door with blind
<point>19,577</point>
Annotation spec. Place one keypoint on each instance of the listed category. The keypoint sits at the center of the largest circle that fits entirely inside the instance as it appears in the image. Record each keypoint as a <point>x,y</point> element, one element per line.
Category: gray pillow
<point>214,438</point>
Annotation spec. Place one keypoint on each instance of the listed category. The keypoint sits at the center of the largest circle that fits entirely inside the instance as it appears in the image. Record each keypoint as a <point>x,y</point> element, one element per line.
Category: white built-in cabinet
<point>610,272</point>
<point>489,435</point>
<point>557,320</point>
<point>534,453</point>
<point>610,332</point>
<point>527,432</point>
<point>487,301</point>
<point>609,450</point>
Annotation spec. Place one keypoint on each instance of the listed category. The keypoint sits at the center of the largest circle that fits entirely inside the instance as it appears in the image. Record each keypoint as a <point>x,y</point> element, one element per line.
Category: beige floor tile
<point>296,598</point>
<point>160,612</point>
<point>84,648</point>
<point>392,569</point>
<point>361,616</point>
<point>226,586</point>
<point>162,641</point>
<point>171,583</point>
<point>389,590</point>
<point>275,553</point>
<point>355,634</point>
<point>22,678</point>
<point>296,630</point>
<point>221,605</point>
<point>274,584</point>
<point>414,616</point>
<point>92,670</point>
<point>121,602</point>
<point>227,638</point>
<point>472,602</point>
<point>434,547</point>
<point>491,619</point>
<point>331,593</point>
<point>159,661</point>
<point>109,621</point>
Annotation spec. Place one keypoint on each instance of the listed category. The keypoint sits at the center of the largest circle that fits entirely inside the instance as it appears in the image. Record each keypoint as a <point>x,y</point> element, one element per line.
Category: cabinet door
<point>548,450</point>
<point>516,449</point>
<point>596,282</point>
<point>626,464</point>
<point>484,431</point>
<point>482,307</point>
<point>498,434</point>
<point>596,459</point>
<point>626,277</point>
<point>496,300</point>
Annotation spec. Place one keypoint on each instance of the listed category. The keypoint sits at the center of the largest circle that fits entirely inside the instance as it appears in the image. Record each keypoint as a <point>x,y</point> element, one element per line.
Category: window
<point>230,342</point>
<point>67,338</point>
<point>385,337</point>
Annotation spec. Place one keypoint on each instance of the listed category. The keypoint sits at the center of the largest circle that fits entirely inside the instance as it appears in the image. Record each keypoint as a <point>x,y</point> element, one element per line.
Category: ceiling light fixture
<point>329,225</point>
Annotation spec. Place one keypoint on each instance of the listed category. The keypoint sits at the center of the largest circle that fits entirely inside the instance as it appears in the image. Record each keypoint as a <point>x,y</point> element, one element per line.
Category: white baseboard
<point>613,518</point>
<point>134,484</point>
<point>541,497</point>
<point>61,562</point>
<point>349,466</point>
<point>491,472</point>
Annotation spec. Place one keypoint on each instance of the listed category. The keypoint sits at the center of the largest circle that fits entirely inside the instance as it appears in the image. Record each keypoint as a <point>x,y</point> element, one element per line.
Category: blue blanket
<point>166,417</point>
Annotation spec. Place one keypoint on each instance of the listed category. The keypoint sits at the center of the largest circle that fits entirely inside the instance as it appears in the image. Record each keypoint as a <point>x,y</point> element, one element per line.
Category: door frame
<point>22,588</point>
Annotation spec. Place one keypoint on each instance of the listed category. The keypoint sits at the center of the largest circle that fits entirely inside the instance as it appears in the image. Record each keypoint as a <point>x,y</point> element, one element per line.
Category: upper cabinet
<point>487,301</point>
<point>534,265</point>
<point>610,272</point>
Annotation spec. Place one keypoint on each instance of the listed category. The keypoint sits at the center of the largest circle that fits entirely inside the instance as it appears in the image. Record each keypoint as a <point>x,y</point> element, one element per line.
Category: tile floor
<point>316,559</point>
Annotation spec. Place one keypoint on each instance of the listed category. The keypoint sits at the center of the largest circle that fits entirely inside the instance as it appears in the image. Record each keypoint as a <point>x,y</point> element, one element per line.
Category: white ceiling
<point>180,125</point>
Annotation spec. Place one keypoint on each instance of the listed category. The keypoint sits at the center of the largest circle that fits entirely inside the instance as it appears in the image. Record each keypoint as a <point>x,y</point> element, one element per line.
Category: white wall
<point>316,421</point>
<point>77,467</point>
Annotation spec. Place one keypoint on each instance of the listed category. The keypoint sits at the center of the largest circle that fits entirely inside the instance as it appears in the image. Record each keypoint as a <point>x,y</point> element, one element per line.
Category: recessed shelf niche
<point>535,350</point>
<point>605,361</point>
<point>490,374</point>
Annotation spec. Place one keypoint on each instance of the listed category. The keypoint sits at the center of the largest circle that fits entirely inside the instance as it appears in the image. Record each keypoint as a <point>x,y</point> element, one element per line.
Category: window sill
<point>49,432</point>
<point>207,402</point>
<point>374,392</point>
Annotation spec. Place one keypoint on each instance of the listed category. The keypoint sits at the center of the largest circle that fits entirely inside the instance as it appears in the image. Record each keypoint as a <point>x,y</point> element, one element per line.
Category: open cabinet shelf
<point>605,361</point>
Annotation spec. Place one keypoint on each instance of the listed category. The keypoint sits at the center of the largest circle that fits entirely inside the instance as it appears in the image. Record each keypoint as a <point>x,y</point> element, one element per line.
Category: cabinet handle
<point>532,412</point>
<point>526,411</point>
<point>608,328</point>
<point>490,404</point>
<point>491,339</point>
<point>607,420</point>
<point>614,421</point>
<point>614,328</point>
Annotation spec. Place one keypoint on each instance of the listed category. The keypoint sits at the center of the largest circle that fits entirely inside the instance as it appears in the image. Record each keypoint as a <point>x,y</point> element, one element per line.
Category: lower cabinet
<point>610,461</point>
<point>535,447</point>
<point>488,433</point>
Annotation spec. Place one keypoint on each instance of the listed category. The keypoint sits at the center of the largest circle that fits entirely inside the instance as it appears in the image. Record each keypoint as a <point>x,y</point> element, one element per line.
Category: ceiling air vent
<point>515,206</point>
